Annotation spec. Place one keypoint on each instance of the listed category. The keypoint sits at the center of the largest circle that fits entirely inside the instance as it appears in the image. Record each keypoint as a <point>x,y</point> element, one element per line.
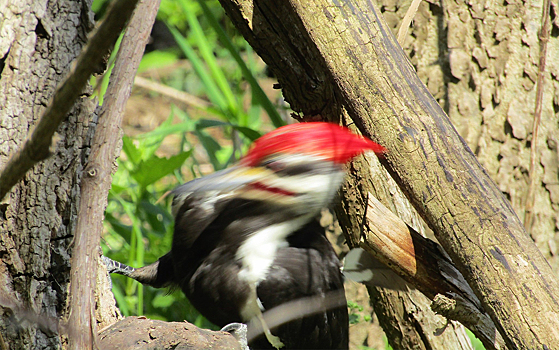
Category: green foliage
<point>140,229</point>
<point>478,345</point>
<point>356,314</point>
<point>138,222</point>
<point>157,59</point>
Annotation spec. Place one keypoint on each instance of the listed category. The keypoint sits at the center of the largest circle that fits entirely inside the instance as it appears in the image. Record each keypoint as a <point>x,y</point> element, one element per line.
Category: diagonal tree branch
<point>420,261</point>
<point>36,147</point>
<point>97,178</point>
<point>406,21</point>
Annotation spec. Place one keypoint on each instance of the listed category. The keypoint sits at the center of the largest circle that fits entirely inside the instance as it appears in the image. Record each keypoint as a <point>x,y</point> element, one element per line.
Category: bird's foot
<point>275,341</point>
<point>239,331</point>
<point>272,339</point>
<point>117,267</point>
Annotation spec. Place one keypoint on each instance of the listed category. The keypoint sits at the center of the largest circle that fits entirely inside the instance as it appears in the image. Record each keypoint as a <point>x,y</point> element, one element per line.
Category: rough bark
<point>368,74</point>
<point>139,333</point>
<point>38,41</point>
<point>405,315</point>
<point>484,73</point>
<point>420,261</point>
<point>37,144</point>
<point>481,64</point>
<point>500,91</point>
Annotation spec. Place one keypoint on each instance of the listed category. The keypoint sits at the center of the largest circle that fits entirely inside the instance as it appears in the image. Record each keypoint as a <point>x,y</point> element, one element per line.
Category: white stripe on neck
<point>259,250</point>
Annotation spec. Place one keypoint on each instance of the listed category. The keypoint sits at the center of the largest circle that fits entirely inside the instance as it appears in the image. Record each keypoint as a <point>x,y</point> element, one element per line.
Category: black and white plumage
<point>246,239</point>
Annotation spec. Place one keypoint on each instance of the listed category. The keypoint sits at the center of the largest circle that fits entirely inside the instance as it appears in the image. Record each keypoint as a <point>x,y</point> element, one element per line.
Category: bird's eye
<point>274,165</point>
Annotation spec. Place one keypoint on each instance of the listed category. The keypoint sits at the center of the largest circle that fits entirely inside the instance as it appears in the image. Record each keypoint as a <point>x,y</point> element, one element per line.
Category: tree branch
<point>139,333</point>
<point>422,263</point>
<point>181,96</point>
<point>36,147</point>
<point>97,178</point>
<point>531,195</point>
<point>406,21</point>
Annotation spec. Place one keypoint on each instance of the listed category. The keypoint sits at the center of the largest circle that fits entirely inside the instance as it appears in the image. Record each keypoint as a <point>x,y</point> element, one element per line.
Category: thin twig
<point>410,14</point>
<point>36,147</point>
<point>96,180</point>
<point>531,195</point>
<point>168,91</point>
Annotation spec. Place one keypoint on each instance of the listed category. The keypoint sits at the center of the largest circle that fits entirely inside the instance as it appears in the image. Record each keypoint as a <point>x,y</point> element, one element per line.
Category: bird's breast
<point>258,251</point>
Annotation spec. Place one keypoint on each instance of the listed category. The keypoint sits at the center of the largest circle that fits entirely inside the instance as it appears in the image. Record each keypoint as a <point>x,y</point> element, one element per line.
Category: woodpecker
<point>246,239</point>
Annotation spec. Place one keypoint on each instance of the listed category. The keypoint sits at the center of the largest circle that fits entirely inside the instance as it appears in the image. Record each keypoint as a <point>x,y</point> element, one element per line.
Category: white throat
<point>258,252</point>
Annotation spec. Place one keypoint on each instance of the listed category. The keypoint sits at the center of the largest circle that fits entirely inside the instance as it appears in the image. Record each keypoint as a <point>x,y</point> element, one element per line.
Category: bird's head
<point>302,165</point>
<point>298,167</point>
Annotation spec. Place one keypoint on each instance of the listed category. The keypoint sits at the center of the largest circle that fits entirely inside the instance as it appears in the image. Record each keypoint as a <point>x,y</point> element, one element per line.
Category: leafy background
<point>203,97</point>
<point>210,64</point>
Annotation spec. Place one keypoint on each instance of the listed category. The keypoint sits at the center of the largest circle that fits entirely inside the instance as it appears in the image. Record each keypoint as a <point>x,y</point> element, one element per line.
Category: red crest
<point>326,140</point>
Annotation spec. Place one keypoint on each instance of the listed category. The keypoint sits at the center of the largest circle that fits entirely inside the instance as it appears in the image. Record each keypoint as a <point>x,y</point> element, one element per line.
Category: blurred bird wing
<point>360,266</point>
<point>198,202</point>
<point>304,293</point>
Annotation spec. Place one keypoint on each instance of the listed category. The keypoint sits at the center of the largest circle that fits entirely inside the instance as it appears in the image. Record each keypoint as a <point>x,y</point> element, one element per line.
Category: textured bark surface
<point>96,182</point>
<point>38,41</point>
<point>139,333</point>
<point>375,82</point>
<point>417,259</point>
<point>413,326</point>
<point>38,219</point>
<point>481,62</point>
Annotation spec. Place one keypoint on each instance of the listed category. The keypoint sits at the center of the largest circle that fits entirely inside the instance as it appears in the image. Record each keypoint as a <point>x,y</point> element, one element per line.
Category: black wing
<point>195,205</point>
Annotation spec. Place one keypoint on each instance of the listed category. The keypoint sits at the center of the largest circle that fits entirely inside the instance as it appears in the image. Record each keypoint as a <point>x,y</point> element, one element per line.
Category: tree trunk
<point>345,55</point>
<point>39,215</point>
<point>39,41</point>
<point>481,63</point>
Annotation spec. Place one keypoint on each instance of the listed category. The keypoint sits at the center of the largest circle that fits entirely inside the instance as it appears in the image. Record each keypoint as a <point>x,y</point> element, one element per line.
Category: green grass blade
<point>140,251</point>
<point>208,56</point>
<point>256,89</point>
<point>166,130</point>
<point>121,300</point>
<point>213,92</point>
<point>102,82</point>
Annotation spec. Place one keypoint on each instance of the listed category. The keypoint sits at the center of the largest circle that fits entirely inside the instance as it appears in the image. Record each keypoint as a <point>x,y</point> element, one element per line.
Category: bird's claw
<point>116,267</point>
<point>108,264</point>
<point>275,341</point>
<point>239,331</point>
